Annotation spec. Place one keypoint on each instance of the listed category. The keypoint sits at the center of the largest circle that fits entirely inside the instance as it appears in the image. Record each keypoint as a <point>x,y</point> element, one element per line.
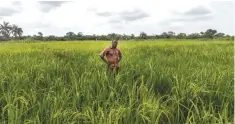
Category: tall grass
<point>159,82</point>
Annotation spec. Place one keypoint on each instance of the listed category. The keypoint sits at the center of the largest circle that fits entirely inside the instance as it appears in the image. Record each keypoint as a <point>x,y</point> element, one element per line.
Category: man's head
<point>114,43</point>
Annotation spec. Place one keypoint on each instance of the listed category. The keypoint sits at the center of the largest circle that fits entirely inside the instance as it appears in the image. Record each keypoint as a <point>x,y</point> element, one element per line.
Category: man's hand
<point>120,58</point>
<point>103,59</point>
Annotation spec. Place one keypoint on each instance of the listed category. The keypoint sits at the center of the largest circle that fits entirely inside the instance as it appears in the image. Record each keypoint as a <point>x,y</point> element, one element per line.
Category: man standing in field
<point>113,56</point>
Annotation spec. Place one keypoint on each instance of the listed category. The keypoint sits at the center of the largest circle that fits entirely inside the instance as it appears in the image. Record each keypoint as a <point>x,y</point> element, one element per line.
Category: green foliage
<point>159,82</point>
<point>6,30</point>
<point>210,33</point>
<point>143,35</point>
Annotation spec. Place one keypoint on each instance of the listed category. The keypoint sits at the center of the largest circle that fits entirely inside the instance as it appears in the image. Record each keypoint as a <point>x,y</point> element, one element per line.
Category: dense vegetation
<point>159,82</point>
<point>8,32</point>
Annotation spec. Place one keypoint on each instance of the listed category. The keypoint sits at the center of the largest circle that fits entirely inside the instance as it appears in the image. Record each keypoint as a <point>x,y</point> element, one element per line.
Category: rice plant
<point>159,82</point>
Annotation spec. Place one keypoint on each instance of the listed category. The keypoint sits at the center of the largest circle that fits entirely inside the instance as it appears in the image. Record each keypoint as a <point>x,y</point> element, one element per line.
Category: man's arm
<point>120,55</point>
<point>120,58</point>
<point>102,54</point>
<point>102,57</point>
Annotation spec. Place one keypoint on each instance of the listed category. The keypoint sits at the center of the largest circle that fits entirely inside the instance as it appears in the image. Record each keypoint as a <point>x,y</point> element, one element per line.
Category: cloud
<point>196,14</point>
<point>194,18</point>
<point>46,6</point>
<point>91,9</point>
<point>104,14</point>
<point>114,21</point>
<point>123,17</point>
<point>45,28</point>
<point>184,20</point>
<point>198,10</point>
<point>52,3</point>
<point>5,11</point>
<point>134,15</point>
<point>101,14</point>
<point>16,3</point>
<point>13,8</point>
<point>127,16</point>
<point>118,26</point>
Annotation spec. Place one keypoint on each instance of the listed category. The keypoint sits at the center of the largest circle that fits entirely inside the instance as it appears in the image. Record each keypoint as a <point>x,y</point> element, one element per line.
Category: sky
<point>119,16</point>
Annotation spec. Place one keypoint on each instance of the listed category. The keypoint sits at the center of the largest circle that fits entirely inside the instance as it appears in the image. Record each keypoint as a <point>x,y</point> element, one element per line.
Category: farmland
<point>159,82</point>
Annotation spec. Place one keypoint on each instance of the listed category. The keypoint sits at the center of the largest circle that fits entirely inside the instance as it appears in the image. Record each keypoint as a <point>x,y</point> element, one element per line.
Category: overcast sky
<point>119,16</point>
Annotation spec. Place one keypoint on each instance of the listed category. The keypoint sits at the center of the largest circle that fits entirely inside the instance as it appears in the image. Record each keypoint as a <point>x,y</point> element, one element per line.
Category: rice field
<point>165,82</point>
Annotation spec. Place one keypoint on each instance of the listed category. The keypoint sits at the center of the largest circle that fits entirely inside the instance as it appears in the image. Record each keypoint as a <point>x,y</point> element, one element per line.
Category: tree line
<point>14,32</point>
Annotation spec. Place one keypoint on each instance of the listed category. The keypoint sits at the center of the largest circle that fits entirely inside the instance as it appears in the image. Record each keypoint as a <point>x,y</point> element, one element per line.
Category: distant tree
<point>103,37</point>
<point>153,36</point>
<point>202,33</point>
<point>164,35</point>
<point>210,33</point>
<point>2,38</point>
<point>157,36</point>
<point>132,36</point>
<point>35,37</point>
<point>143,35</point>
<point>80,34</point>
<point>40,36</point>
<point>27,37</point>
<point>194,36</point>
<point>228,37</point>
<point>118,37</point>
<point>5,29</point>
<point>124,37</point>
<point>112,36</point>
<point>94,37</point>
<point>70,36</point>
<point>219,34</point>
<point>14,30</point>
<point>181,36</point>
<point>20,32</point>
<point>51,37</point>
<point>171,34</point>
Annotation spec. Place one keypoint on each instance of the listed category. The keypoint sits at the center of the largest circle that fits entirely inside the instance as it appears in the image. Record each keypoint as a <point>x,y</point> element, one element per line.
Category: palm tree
<point>5,29</point>
<point>14,30</point>
<point>19,32</point>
